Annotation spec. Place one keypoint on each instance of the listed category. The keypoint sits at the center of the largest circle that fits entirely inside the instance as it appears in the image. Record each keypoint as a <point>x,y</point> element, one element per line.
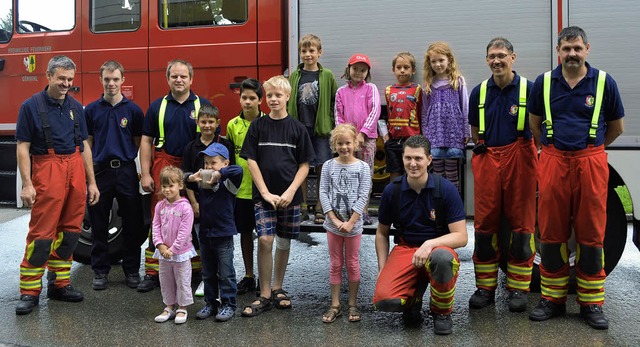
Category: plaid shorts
<point>284,223</point>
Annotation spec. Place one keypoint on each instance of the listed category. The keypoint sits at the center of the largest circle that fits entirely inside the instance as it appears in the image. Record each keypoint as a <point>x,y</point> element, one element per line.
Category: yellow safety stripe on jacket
<point>522,104</point>
<point>596,109</point>
<point>163,109</point>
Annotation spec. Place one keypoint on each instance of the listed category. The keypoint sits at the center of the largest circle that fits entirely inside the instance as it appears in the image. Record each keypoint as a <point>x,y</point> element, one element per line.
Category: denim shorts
<point>282,222</point>
<point>447,153</point>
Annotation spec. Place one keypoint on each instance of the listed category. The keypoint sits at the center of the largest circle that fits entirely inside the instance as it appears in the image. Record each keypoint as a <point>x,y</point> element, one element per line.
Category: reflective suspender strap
<point>547,105</point>
<point>196,106</point>
<point>163,109</point>
<point>483,98</point>
<point>522,105</point>
<point>602,76</point>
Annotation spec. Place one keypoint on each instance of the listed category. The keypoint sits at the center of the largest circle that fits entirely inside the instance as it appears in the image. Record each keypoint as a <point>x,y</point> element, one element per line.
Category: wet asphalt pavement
<point>120,316</point>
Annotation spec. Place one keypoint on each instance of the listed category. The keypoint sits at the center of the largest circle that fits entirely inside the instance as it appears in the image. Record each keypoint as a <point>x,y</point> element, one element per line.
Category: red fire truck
<point>229,40</point>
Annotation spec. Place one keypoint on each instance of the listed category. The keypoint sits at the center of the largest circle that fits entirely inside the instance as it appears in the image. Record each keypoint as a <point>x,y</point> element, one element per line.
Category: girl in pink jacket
<point>358,103</point>
<point>171,228</point>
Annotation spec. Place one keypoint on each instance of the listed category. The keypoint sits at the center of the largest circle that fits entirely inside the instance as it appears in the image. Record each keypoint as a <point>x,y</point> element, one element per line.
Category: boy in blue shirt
<point>217,196</point>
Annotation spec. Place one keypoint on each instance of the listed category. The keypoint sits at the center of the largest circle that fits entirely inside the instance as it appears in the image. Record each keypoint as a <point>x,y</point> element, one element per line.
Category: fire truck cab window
<point>191,13</point>
<point>115,15</point>
<point>6,20</point>
<point>36,16</point>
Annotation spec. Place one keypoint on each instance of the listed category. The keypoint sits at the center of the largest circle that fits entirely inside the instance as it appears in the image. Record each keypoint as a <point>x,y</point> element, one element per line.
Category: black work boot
<point>547,309</point>
<point>132,280</point>
<point>517,301</point>
<point>66,293</point>
<point>482,298</point>
<point>594,315</point>
<point>148,283</point>
<point>442,324</point>
<point>26,304</point>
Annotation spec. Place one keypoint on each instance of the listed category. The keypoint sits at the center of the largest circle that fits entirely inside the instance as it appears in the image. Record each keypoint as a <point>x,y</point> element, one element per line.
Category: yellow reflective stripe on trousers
<point>443,295</point>
<point>554,293</point>
<point>487,282</point>
<point>486,267</point>
<point>59,263</point>
<point>520,270</point>
<point>34,284</point>
<point>31,271</point>
<point>548,281</point>
<point>598,284</point>
<point>522,285</point>
<point>595,297</point>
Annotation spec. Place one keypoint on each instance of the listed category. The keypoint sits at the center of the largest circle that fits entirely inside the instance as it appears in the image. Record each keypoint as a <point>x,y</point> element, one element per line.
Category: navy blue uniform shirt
<point>179,123</point>
<point>500,112</point>
<point>61,119</point>
<point>572,109</point>
<point>417,210</point>
<point>113,129</point>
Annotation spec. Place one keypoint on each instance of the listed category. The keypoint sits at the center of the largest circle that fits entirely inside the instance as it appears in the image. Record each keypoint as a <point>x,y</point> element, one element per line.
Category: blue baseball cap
<point>215,149</point>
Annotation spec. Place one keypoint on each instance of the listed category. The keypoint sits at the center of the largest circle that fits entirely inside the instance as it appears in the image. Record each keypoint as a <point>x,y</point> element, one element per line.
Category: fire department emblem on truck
<point>30,62</point>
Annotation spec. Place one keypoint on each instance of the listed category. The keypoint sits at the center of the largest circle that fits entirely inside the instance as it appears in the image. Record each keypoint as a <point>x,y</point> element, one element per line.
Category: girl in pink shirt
<point>358,103</point>
<point>171,228</point>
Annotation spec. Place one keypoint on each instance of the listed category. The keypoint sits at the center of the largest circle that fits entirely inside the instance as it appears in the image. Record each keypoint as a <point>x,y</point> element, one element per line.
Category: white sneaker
<point>200,290</point>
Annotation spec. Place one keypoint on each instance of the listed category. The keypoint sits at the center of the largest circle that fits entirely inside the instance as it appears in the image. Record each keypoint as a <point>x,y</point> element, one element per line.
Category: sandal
<point>318,218</point>
<point>331,314</point>
<point>260,305</point>
<point>161,318</point>
<point>354,314</point>
<point>280,295</point>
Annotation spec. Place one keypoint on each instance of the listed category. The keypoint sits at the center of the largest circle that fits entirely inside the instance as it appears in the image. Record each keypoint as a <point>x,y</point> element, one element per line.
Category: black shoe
<point>26,304</point>
<point>132,280</point>
<point>246,284</point>
<point>517,301</point>
<point>594,315</point>
<point>482,298</point>
<point>100,282</point>
<point>148,283</point>
<point>66,293</point>
<point>442,324</point>
<point>547,309</point>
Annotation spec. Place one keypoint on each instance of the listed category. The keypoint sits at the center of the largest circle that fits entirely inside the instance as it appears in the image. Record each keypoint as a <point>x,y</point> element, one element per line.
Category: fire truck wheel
<point>82,254</point>
<point>614,243</point>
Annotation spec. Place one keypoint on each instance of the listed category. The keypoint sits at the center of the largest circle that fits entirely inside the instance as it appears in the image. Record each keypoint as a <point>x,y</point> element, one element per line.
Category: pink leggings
<point>341,247</point>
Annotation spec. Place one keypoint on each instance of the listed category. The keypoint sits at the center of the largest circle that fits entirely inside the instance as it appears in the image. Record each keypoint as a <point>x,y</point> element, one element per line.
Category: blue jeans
<point>218,273</point>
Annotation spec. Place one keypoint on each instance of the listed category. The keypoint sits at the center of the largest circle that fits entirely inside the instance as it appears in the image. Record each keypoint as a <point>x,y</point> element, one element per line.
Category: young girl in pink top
<point>445,108</point>
<point>358,103</point>
<point>172,224</point>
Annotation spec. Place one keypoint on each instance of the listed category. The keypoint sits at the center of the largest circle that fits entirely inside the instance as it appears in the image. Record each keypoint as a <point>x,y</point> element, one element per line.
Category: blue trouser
<point>120,183</point>
<point>218,273</point>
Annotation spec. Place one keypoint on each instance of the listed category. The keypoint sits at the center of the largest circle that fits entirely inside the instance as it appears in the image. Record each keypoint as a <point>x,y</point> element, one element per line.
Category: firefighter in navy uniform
<point>169,125</point>
<point>56,168</point>
<point>583,113</point>
<point>115,126</point>
<point>504,170</point>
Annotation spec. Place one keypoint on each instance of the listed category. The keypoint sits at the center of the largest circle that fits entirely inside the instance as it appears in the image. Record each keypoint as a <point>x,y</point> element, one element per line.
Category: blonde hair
<point>440,47</point>
<point>404,55</point>
<point>278,82</point>
<point>309,40</point>
<point>171,174</point>
<point>339,130</point>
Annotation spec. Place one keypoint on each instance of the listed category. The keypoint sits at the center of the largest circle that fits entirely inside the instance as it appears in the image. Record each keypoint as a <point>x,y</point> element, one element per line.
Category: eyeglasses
<point>499,56</point>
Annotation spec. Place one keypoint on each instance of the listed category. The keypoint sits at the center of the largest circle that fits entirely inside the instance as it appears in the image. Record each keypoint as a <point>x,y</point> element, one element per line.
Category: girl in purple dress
<point>444,111</point>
